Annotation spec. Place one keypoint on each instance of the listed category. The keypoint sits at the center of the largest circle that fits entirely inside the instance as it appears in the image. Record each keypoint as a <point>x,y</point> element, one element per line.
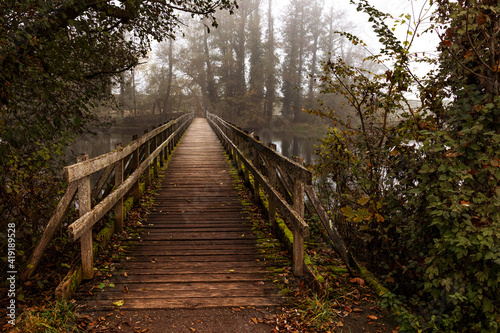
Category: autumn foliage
<point>414,187</point>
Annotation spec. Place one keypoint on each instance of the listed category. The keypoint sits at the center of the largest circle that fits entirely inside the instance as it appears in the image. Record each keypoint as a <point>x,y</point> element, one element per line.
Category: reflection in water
<point>100,143</point>
<point>290,144</point>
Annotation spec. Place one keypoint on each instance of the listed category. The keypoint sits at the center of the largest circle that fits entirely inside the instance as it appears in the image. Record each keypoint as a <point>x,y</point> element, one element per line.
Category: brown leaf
<point>255,321</point>
<point>372,317</point>
<point>358,280</point>
<point>192,329</point>
<point>357,310</point>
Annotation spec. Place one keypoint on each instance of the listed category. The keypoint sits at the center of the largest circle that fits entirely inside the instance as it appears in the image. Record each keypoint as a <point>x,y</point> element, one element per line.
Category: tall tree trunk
<point>169,78</point>
<point>270,66</point>
<point>210,81</point>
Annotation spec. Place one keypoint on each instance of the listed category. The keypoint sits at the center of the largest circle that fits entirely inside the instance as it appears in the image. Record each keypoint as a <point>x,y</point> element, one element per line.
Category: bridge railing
<point>282,180</point>
<point>286,184</point>
<point>140,157</point>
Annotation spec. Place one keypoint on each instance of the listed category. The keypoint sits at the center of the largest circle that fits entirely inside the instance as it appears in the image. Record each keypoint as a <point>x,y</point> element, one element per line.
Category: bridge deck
<point>197,249</point>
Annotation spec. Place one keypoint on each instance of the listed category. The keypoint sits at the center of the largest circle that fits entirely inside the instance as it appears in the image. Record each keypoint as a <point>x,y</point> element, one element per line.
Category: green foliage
<point>415,189</point>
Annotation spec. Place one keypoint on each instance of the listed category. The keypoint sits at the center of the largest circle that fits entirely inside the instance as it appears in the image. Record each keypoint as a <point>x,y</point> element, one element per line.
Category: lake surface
<point>288,144</point>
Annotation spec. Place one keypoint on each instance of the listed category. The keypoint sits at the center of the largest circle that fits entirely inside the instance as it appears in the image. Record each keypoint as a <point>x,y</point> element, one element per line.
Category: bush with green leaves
<point>415,189</point>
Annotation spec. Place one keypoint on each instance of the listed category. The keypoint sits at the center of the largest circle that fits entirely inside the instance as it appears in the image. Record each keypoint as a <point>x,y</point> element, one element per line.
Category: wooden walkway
<point>197,249</point>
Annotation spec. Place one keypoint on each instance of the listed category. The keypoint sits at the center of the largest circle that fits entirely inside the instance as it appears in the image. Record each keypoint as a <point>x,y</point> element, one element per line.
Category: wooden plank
<point>53,224</point>
<point>188,303</point>
<point>84,206</point>
<point>118,182</point>
<point>178,293</point>
<point>191,286</point>
<point>298,240</point>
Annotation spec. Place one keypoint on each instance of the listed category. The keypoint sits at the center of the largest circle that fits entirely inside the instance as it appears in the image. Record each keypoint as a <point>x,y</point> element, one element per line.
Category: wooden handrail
<point>285,163</point>
<point>295,214</point>
<point>82,169</point>
<point>78,176</point>
<point>287,180</point>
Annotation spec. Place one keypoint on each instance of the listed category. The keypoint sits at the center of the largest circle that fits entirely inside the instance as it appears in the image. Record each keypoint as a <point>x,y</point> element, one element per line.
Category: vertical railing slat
<point>118,182</point>
<point>298,239</point>
<point>84,206</point>
<point>273,180</point>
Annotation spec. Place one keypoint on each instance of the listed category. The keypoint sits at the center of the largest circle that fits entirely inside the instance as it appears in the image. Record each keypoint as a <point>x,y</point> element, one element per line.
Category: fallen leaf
<point>358,280</point>
<point>125,289</point>
<point>192,329</point>
<point>372,317</point>
<point>119,303</point>
<point>255,321</point>
<point>357,310</point>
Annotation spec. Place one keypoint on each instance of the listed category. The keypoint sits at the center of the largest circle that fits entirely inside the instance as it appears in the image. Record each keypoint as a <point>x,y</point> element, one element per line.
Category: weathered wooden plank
<point>186,294</point>
<point>189,286</point>
<point>188,303</point>
<point>84,206</point>
<point>118,182</point>
<point>53,224</point>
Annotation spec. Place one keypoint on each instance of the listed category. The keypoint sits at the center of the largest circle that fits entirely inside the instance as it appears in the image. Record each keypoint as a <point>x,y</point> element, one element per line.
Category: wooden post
<point>298,240</point>
<point>256,187</point>
<point>147,151</point>
<point>136,192</point>
<point>273,180</point>
<point>162,153</point>
<point>118,182</point>
<point>167,147</point>
<point>84,206</point>
<point>155,160</point>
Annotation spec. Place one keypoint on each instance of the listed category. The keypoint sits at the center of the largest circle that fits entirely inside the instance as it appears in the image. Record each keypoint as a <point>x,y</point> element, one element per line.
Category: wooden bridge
<point>197,248</point>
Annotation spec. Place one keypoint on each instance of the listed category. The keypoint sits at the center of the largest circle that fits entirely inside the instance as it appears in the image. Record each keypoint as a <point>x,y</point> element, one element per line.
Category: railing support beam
<point>84,206</point>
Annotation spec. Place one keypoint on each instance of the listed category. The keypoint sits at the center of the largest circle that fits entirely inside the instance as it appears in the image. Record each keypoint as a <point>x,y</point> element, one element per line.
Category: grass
<point>58,316</point>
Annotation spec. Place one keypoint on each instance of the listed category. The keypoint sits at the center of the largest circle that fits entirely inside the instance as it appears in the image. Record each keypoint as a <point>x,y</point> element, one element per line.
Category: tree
<point>256,77</point>
<point>59,60</point>
<point>292,66</point>
<point>270,66</point>
<point>418,186</point>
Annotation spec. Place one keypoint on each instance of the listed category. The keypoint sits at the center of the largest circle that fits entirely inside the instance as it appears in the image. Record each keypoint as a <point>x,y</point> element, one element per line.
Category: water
<point>288,144</point>
<point>101,142</point>
<point>291,144</point>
